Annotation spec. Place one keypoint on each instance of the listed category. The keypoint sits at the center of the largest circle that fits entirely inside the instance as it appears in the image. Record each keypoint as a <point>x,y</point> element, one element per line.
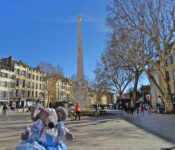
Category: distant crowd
<point>139,107</point>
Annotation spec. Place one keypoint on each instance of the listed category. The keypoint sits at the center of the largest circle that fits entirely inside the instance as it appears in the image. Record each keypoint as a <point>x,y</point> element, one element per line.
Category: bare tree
<point>110,74</point>
<point>53,75</point>
<point>155,19</point>
<point>51,87</point>
<point>117,46</point>
<point>47,68</point>
<point>59,70</point>
<point>50,69</point>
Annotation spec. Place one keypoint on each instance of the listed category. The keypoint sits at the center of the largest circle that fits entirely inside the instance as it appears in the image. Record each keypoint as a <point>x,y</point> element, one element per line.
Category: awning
<point>62,100</point>
<point>3,100</point>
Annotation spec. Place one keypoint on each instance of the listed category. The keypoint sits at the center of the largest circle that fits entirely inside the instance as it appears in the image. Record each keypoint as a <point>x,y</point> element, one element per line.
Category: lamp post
<point>25,90</point>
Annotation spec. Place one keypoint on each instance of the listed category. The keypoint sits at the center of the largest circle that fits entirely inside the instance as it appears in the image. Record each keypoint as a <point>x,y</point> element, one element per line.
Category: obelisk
<point>80,70</point>
<point>80,91</point>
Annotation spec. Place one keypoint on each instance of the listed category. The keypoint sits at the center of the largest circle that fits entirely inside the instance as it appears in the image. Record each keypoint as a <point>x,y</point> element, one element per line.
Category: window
<point>21,81</point>
<point>32,85</point>
<point>4,75</point>
<point>22,93</point>
<point>17,71</point>
<point>33,77</point>
<point>42,95</point>
<point>32,93</point>
<point>3,94</point>
<point>43,87</point>
<point>8,94</point>
<point>17,82</point>
<point>24,73</point>
<point>28,85</point>
<point>23,85</point>
<point>12,85</point>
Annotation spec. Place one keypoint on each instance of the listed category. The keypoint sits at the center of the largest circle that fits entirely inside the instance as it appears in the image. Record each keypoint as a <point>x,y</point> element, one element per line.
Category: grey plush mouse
<point>48,129</point>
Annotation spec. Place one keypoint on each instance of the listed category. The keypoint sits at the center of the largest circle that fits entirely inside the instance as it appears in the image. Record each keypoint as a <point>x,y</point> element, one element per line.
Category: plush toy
<point>47,132</point>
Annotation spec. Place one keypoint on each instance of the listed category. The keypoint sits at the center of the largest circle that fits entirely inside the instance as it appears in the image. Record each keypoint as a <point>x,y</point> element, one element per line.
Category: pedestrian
<point>142,108</point>
<point>95,106</point>
<point>77,110</point>
<point>149,109</point>
<point>4,109</point>
<point>137,105</point>
<point>127,108</point>
<point>131,109</point>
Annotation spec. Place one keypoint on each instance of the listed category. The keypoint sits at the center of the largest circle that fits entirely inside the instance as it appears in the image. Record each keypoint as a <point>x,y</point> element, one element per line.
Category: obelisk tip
<point>79,19</point>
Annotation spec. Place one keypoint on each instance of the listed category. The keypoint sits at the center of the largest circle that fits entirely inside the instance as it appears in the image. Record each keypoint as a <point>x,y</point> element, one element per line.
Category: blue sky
<point>46,30</point>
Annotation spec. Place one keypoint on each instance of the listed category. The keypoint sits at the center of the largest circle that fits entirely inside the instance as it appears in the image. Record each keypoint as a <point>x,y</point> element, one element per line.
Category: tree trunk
<point>133,100</point>
<point>168,99</point>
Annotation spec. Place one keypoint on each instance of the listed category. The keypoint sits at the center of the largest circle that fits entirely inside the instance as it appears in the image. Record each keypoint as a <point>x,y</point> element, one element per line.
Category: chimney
<point>10,61</point>
<point>11,58</point>
<point>20,61</point>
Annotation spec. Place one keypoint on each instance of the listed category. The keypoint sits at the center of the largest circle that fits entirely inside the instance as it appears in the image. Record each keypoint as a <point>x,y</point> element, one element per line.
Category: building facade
<point>61,91</point>
<point>145,94</point>
<point>29,83</point>
<point>155,93</point>
<point>104,99</point>
<point>7,84</point>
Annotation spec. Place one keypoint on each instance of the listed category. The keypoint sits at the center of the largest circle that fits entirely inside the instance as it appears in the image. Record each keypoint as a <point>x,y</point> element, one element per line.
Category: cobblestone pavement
<point>110,132</point>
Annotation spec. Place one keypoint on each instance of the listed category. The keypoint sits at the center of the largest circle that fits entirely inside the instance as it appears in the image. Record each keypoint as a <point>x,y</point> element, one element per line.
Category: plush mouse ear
<point>63,112</point>
<point>35,113</point>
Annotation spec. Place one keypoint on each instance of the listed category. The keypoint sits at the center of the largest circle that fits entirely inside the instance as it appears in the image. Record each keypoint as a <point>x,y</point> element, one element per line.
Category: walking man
<point>77,110</point>
<point>4,109</point>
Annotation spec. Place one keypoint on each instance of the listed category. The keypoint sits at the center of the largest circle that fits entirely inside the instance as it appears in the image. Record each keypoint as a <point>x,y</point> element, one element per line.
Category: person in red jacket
<point>142,108</point>
<point>77,111</point>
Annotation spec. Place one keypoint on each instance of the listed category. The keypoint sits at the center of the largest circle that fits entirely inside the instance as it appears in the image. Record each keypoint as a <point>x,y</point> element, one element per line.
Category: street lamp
<point>25,89</point>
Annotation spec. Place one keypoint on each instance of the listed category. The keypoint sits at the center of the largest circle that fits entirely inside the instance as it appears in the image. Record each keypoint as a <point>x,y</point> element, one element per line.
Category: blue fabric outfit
<point>43,138</point>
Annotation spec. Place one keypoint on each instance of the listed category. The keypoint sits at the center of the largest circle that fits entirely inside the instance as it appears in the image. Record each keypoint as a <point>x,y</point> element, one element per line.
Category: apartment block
<point>7,84</point>
<point>29,83</point>
<point>61,90</point>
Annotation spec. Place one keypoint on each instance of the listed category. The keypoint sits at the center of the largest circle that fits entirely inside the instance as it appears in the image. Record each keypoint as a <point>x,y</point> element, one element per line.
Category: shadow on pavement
<point>168,148</point>
<point>157,124</point>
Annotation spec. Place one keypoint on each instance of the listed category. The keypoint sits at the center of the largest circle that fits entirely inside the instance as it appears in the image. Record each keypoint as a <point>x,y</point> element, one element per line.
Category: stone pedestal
<point>81,95</point>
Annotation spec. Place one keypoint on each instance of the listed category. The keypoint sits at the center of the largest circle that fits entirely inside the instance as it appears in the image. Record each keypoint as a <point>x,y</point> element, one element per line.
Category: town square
<point>87,75</point>
<point>115,130</point>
